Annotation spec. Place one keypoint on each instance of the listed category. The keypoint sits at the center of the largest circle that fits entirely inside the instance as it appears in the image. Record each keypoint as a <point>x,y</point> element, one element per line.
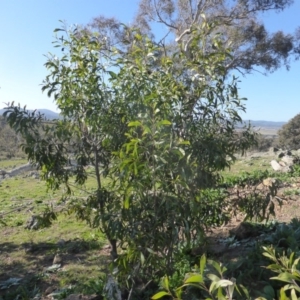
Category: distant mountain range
<point>49,114</point>
<point>265,124</point>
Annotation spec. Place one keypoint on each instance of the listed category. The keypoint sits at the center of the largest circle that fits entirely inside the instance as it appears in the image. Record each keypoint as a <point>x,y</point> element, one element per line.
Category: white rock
<point>275,165</point>
<point>288,160</point>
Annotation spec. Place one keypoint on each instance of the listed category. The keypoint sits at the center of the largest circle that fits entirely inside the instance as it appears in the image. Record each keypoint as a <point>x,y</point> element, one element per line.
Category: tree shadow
<point>31,266</point>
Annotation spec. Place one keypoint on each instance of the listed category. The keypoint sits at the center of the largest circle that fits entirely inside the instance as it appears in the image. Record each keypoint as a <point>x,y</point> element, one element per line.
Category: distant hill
<point>266,124</point>
<point>49,114</point>
<point>266,128</point>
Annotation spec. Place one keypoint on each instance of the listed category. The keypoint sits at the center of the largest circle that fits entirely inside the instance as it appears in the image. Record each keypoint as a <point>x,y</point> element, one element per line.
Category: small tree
<point>289,135</point>
<point>159,127</point>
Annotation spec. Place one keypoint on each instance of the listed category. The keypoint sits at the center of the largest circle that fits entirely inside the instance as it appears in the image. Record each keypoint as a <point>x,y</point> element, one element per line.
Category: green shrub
<point>289,135</point>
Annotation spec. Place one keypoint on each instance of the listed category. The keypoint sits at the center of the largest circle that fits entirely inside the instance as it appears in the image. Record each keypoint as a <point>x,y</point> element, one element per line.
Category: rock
<point>288,160</point>
<point>281,154</point>
<point>49,290</point>
<point>282,163</point>
<point>2,172</point>
<point>61,243</point>
<point>21,169</point>
<point>275,165</point>
<point>57,259</point>
<point>111,289</point>
<point>271,182</point>
<point>33,223</point>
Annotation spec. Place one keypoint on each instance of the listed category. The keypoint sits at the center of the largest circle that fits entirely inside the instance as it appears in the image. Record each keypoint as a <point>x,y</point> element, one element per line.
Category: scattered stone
<point>9,282</point>
<point>288,160</point>
<point>275,165</point>
<point>57,259</point>
<point>2,172</point>
<point>271,182</point>
<point>49,290</point>
<point>111,289</point>
<point>33,223</point>
<point>61,243</point>
<point>53,268</point>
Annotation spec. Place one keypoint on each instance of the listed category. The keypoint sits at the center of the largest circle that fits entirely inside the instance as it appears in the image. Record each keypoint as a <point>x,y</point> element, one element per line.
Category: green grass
<point>6,164</point>
<point>21,197</point>
<point>249,164</point>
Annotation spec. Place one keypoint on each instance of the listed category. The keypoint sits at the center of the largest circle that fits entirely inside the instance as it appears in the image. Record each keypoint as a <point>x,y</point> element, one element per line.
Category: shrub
<point>289,135</point>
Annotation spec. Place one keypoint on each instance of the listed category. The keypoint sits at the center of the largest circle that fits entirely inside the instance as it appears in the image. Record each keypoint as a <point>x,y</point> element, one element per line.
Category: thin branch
<point>197,12</point>
<point>161,19</point>
<point>164,37</point>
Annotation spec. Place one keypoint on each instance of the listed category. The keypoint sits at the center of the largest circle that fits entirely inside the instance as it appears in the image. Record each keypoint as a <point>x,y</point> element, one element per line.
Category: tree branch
<point>161,19</point>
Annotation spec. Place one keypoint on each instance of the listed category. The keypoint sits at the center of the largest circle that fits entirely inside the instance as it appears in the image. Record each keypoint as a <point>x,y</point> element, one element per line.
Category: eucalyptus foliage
<point>156,128</point>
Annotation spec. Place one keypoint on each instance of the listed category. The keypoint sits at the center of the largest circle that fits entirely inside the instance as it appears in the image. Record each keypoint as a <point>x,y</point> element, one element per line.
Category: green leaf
<point>195,278</point>
<point>134,124</point>
<point>274,267</point>
<point>165,283</point>
<point>202,264</point>
<point>285,277</point>
<point>184,143</point>
<point>283,295</point>
<point>164,122</point>
<point>268,290</point>
<point>126,203</point>
<point>212,287</point>
<point>220,294</point>
<point>293,295</point>
<point>160,295</point>
<point>224,283</point>
<point>112,74</point>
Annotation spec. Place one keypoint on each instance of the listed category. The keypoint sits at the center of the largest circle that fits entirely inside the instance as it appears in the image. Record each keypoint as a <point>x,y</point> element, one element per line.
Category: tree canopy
<point>239,24</point>
<point>289,135</point>
<point>156,128</point>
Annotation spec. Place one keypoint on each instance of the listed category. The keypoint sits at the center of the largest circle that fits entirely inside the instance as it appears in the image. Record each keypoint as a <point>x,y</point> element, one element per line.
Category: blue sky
<point>26,35</point>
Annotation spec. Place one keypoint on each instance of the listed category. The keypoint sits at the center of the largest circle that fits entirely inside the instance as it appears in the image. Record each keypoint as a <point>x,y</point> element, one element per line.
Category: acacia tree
<point>160,130</point>
<point>238,22</point>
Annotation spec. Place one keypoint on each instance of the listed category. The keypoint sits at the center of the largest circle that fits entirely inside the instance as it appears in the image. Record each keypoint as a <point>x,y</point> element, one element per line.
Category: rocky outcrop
<point>21,169</point>
<point>284,163</point>
<point>14,172</point>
